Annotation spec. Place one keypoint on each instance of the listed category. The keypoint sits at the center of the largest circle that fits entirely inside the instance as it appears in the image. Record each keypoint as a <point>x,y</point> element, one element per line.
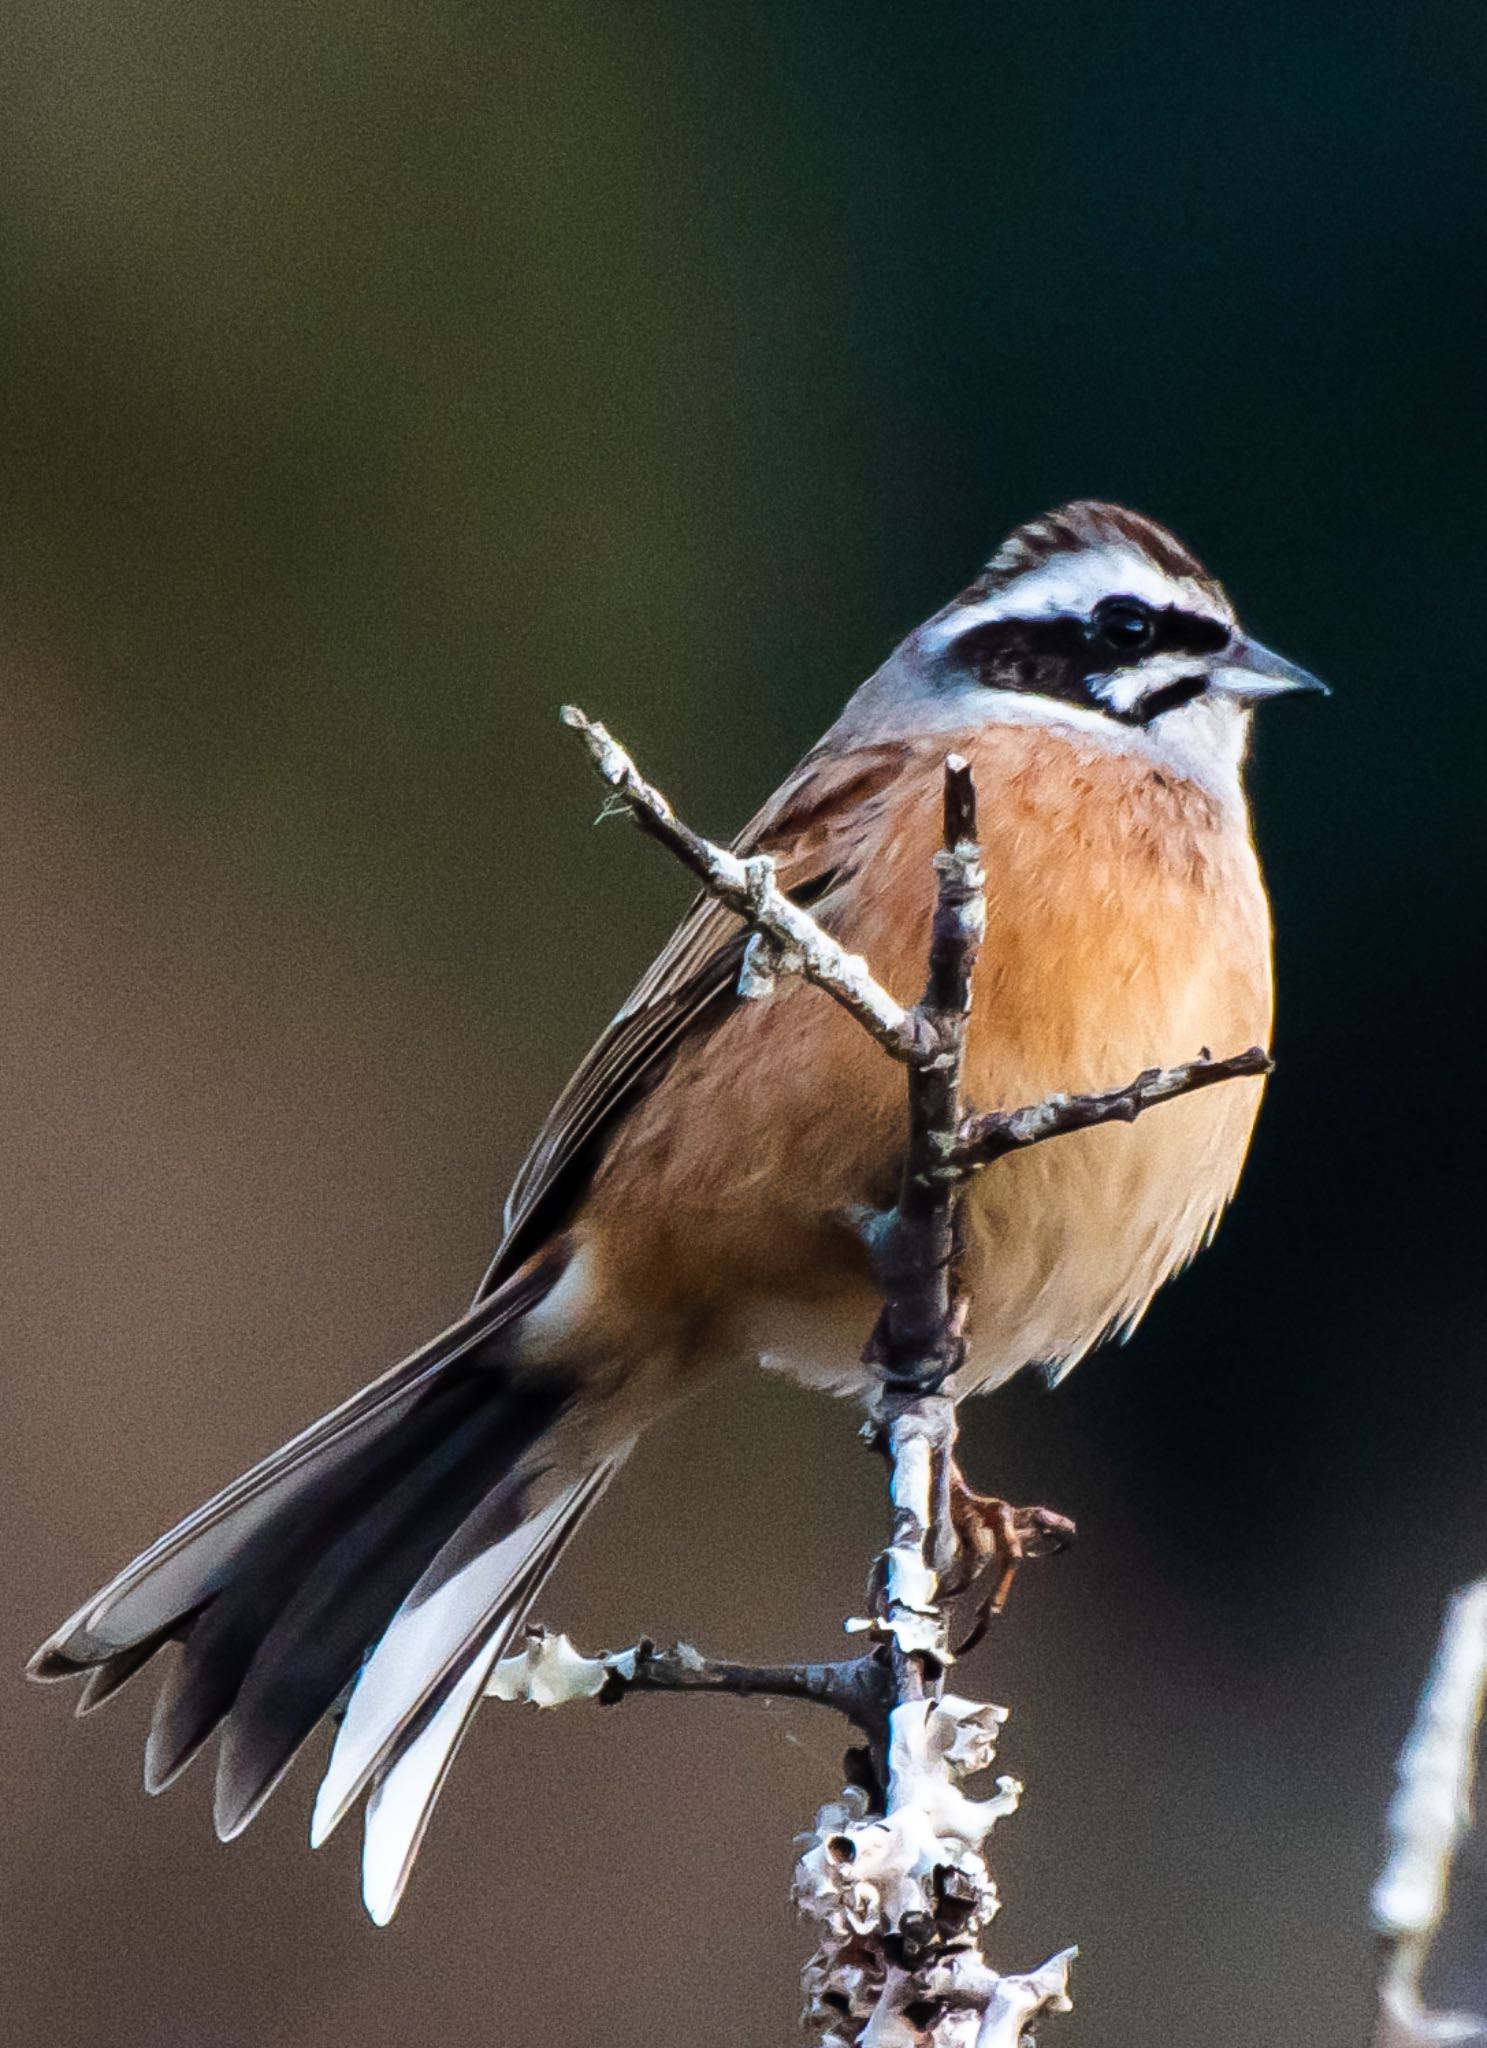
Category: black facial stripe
<point>1188,633</point>
<point>1061,657</point>
<point>1169,698</point>
<point>1044,657</point>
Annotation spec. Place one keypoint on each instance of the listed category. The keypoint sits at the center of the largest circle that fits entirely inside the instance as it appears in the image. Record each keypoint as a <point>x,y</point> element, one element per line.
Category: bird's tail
<point>386,1556</point>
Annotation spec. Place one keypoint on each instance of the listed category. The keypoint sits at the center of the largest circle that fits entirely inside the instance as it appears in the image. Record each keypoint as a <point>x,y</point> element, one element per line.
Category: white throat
<point>1203,742</point>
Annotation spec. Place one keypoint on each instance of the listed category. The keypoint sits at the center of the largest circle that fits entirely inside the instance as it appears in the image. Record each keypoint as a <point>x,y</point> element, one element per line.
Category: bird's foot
<point>992,1536</point>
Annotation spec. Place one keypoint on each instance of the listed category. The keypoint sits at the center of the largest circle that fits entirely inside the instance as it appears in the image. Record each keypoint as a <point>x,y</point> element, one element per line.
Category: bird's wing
<point>811,826</point>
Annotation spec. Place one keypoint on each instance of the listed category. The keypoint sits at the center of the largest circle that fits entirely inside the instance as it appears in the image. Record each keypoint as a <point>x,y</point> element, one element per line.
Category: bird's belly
<point>1068,1242</point>
<point>1064,1244</point>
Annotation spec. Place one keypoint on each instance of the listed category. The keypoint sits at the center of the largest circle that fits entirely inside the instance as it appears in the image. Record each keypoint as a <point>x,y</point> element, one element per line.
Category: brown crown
<point>1088,523</point>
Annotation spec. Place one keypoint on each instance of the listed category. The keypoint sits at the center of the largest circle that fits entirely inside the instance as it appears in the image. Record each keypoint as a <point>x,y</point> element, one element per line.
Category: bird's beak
<point>1249,673</point>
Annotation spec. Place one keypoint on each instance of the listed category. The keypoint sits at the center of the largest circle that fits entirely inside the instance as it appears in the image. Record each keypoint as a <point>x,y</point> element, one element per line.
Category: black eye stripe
<point>1004,644</point>
<point>1181,632</point>
<point>1065,657</point>
<point>1170,630</point>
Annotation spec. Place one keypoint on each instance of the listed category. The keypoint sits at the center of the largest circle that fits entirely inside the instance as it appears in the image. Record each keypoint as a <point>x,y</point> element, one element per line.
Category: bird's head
<point>1098,616</point>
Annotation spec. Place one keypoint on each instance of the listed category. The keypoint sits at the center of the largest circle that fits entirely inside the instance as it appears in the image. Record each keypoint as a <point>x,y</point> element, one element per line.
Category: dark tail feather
<point>220,1645</point>
<point>298,1576</point>
<point>195,1560</point>
<point>316,1645</point>
<point>105,1679</point>
<point>277,1646</point>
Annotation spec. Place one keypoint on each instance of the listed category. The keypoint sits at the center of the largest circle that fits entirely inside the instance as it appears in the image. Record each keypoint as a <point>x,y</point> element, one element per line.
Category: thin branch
<point>1428,1819</point>
<point>795,941</point>
<point>549,1672</point>
<point>900,1954</point>
<point>994,1134</point>
<point>919,1343</point>
<point>894,1877</point>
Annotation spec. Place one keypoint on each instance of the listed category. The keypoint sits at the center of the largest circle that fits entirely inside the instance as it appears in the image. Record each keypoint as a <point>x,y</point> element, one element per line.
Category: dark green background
<point>372,378</point>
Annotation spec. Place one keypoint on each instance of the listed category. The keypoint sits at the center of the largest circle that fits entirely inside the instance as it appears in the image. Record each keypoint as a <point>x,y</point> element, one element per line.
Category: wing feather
<point>811,826</point>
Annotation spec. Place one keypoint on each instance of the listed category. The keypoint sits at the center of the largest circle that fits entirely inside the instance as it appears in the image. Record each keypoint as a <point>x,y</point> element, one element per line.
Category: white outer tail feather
<point>464,1627</point>
<point>400,1805</point>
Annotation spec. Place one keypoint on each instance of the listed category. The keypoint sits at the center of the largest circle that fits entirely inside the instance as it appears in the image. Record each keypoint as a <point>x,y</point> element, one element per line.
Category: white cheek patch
<point>1126,689</point>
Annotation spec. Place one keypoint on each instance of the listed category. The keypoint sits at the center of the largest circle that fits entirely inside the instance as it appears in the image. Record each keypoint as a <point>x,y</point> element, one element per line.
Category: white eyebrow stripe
<point>1072,585</point>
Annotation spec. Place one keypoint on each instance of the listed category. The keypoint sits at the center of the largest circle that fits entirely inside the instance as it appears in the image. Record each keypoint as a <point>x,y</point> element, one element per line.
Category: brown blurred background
<point>372,377</point>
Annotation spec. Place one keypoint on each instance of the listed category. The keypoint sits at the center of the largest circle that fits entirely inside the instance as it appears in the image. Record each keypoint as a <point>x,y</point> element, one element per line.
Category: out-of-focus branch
<point>1429,1817</point>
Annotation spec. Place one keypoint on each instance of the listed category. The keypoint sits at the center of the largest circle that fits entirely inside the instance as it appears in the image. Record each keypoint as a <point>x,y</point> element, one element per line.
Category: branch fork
<point>893,1878</point>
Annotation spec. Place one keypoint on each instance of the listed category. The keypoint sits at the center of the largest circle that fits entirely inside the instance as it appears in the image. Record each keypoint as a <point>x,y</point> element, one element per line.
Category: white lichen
<point>549,1672</point>
<point>915,1880</point>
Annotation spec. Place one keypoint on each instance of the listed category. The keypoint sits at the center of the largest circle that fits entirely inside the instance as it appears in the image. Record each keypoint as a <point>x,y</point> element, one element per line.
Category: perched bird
<point>686,1203</point>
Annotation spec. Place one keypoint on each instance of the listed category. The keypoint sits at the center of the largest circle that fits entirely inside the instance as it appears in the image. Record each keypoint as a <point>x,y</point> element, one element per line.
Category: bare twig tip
<point>960,806</point>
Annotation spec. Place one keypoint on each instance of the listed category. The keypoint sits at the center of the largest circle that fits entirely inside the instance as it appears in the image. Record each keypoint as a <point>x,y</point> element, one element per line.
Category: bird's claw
<point>993,1535</point>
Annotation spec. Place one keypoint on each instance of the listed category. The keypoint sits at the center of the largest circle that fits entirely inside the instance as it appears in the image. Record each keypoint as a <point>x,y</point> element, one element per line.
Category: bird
<point>688,1202</point>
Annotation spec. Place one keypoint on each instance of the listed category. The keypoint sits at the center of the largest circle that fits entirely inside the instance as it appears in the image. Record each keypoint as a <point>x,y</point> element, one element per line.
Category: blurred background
<point>372,378</point>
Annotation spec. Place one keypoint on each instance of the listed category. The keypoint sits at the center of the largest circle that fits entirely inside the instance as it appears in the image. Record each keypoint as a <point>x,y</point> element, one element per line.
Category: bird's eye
<point>1123,625</point>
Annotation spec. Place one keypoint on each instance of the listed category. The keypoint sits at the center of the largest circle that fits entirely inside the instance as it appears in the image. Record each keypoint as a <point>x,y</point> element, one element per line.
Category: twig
<point>991,1136</point>
<point>1428,1819</point>
<point>919,1340</point>
<point>749,887</point>
<point>795,942</point>
<point>549,1672</point>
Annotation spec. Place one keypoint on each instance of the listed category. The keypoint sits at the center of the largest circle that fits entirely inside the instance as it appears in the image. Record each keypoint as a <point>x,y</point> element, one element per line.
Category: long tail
<point>389,1552</point>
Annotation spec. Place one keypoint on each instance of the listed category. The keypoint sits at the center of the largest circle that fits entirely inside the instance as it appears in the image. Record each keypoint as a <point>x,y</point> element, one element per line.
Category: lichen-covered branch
<point>902,1897</point>
<point>549,1672</point>
<point>794,942</point>
<point>1428,1820</point>
<point>894,1878</point>
<point>901,1900</point>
